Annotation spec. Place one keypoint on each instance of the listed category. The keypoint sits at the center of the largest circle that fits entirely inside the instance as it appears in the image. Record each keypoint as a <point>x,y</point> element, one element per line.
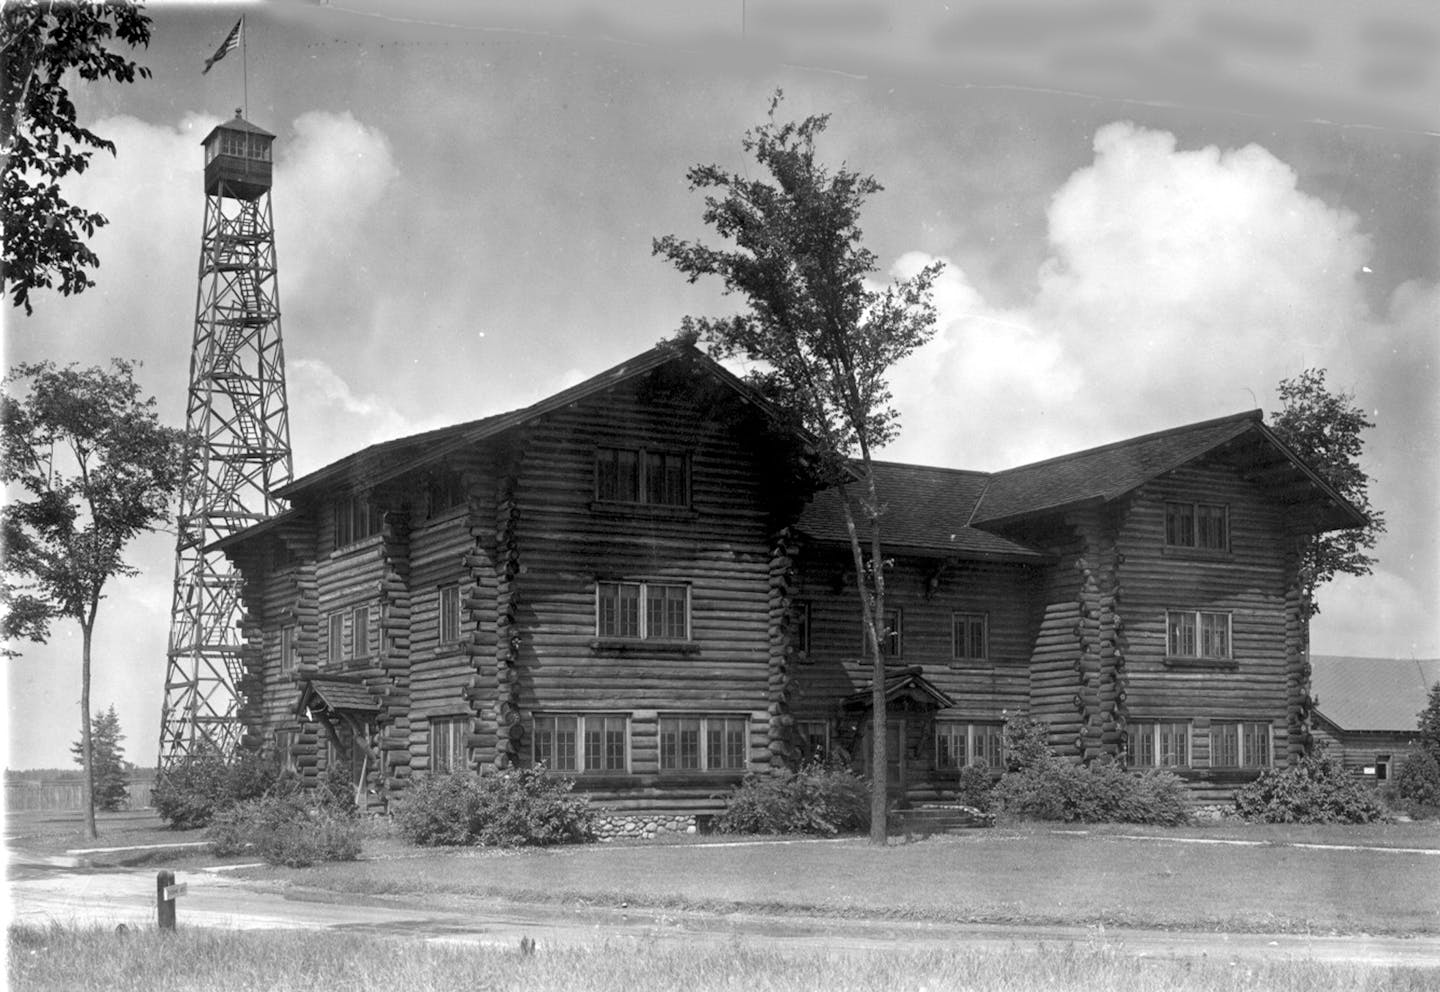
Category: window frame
<point>705,763</point>
<point>1245,734</point>
<point>800,631</point>
<point>642,632</point>
<point>452,730</point>
<point>580,753</point>
<point>804,732</point>
<point>1196,515</point>
<point>1155,733</point>
<point>356,520</point>
<point>1197,632</point>
<point>968,616</point>
<point>892,638</point>
<point>990,734</point>
<point>646,487</point>
<point>335,638</point>
<point>289,648</point>
<point>358,617</point>
<point>447,614</point>
<point>287,739</point>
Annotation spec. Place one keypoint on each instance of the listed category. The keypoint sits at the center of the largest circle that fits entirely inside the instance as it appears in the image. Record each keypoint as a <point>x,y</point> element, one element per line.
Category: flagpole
<point>245,63</point>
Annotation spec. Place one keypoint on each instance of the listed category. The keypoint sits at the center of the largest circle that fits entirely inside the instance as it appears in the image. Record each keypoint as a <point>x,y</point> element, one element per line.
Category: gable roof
<point>387,459</point>
<point>1371,693</point>
<point>1106,473</point>
<point>337,695</point>
<point>907,683</point>
<point>926,510</point>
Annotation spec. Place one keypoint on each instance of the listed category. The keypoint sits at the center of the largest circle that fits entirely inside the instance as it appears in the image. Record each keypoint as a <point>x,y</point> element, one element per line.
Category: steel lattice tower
<point>237,410</point>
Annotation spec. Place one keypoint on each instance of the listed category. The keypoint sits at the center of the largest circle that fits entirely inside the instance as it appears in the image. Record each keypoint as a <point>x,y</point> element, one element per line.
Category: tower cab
<point>237,160</point>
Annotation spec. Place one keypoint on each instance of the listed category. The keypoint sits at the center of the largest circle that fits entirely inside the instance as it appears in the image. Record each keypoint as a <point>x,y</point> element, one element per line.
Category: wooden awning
<point>901,684</point>
<point>336,696</point>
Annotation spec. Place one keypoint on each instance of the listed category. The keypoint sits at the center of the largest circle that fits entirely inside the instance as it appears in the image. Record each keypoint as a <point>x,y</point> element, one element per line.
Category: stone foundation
<point>642,826</point>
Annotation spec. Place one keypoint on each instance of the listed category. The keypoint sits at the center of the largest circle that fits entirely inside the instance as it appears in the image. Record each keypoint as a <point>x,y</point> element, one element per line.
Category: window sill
<point>623,646</point>
<point>1197,554</point>
<point>1212,664</point>
<point>642,511</point>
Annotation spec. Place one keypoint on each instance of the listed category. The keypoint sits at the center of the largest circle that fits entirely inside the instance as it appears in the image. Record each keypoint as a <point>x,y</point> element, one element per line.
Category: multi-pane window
<point>449,614</point>
<point>889,636</point>
<point>971,640</point>
<point>1240,745</point>
<point>582,743</point>
<point>289,648</point>
<point>800,631</point>
<point>636,475</point>
<point>1197,634</point>
<point>1204,526</point>
<point>958,744</point>
<point>355,520</point>
<point>1160,745</point>
<point>447,744</point>
<point>444,490</point>
<point>813,737</point>
<point>703,743</point>
<point>642,610</point>
<point>335,646</point>
<point>360,632</point>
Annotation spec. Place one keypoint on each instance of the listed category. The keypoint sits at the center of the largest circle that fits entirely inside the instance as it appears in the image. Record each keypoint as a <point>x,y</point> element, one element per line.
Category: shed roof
<point>336,695</point>
<point>1372,693</point>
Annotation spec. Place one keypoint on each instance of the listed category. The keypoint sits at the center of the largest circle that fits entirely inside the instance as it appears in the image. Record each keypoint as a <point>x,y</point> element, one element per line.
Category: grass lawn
<point>1024,874</point>
<point>55,832</point>
<point>62,960</point>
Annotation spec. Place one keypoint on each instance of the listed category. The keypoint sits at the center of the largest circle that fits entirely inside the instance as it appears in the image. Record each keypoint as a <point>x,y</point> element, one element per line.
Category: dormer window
<point>1198,526</point>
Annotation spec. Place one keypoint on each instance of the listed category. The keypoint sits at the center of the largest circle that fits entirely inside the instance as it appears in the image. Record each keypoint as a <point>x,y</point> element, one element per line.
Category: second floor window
<point>449,614</point>
<point>638,475</point>
<point>1203,526</point>
<point>971,642</point>
<point>642,611</point>
<point>1197,634</point>
<point>889,636</point>
<point>360,632</point>
<point>289,648</point>
<point>335,646</point>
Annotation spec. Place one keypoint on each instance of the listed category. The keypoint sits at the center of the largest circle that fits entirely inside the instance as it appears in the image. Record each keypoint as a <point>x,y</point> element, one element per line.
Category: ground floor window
<point>286,742</point>
<point>1382,767</point>
<point>814,739</point>
<point>1160,745</point>
<point>582,743</point>
<point>447,744</point>
<point>703,742</point>
<point>959,743</point>
<point>1240,745</point>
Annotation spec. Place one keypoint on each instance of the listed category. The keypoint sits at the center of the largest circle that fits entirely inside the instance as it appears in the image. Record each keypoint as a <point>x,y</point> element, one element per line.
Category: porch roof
<point>336,695</point>
<point>902,683</point>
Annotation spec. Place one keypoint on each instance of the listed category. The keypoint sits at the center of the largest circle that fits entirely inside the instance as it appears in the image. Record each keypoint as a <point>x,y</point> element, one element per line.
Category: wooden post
<point>164,907</point>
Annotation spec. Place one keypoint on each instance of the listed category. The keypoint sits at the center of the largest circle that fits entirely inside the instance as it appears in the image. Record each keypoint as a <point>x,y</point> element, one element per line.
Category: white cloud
<point>1374,616</point>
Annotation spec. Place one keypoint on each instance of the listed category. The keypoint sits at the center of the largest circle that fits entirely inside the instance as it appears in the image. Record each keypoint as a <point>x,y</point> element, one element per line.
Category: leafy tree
<point>1324,429</point>
<point>111,783</point>
<point>1428,723</point>
<point>41,43</point>
<point>825,337</point>
<point>89,467</point>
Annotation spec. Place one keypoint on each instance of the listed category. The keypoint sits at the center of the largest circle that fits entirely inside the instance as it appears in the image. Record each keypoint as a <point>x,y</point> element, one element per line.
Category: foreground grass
<point>1017,876</point>
<point>103,961</point>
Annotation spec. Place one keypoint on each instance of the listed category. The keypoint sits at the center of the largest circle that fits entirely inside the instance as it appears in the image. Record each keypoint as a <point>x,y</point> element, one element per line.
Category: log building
<point>633,583</point>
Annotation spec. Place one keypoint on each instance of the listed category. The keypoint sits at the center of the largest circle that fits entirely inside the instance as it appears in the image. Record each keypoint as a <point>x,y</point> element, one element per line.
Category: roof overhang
<point>335,695</point>
<point>901,685</point>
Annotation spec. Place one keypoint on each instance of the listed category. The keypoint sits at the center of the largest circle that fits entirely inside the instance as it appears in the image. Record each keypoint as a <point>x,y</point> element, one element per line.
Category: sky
<point>1149,215</point>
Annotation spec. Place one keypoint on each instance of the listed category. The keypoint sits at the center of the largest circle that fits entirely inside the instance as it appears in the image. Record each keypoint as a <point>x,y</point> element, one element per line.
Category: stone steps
<point>925,820</point>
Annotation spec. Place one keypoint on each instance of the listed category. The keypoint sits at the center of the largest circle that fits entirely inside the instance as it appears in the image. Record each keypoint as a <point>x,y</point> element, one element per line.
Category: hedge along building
<point>634,582</point>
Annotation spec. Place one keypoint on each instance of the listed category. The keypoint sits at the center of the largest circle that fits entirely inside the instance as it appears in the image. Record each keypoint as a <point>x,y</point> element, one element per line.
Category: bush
<point>1027,743</point>
<point>503,809</point>
<point>204,784</point>
<point>1316,789</point>
<point>1417,783</point>
<point>975,788</point>
<point>294,830</point>
<point>815,799</point>
<point>1098,793</point>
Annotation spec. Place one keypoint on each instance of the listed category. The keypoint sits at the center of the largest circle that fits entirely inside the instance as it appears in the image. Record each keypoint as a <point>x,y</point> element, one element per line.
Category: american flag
<point>231,42</point>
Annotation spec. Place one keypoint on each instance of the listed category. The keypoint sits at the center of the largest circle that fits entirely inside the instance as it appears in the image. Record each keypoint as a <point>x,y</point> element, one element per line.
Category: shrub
<point>974,788</point>
<point>1027,743</point>
<point>1417,783</point>
<point>204,784</point>
<point>1097,793</point>
<point>295,829</point>
<point>1316,789</point>
<point>815,799</point>
<point>503,809</point>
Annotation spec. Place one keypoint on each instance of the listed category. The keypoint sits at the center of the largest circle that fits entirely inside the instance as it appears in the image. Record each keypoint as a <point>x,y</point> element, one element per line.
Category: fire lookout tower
<point>237,410</point>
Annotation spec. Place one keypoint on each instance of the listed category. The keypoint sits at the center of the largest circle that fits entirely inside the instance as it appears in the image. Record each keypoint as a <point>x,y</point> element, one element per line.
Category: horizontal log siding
<point>721,550</point>
<point>1249,582</point>
<point>1057,653</point>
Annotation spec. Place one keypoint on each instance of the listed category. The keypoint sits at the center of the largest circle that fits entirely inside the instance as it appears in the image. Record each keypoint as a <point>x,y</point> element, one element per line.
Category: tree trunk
<point>880,766</point>
<point>87,743</point>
